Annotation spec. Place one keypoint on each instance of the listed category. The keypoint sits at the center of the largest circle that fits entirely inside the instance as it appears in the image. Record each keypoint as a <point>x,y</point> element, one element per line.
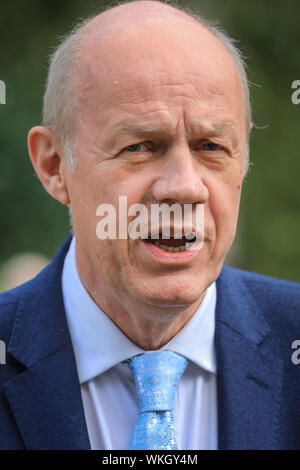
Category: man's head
<point>160,115</point>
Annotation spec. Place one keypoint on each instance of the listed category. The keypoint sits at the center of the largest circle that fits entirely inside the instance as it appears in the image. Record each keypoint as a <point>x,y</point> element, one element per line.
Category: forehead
<point>157,62</point>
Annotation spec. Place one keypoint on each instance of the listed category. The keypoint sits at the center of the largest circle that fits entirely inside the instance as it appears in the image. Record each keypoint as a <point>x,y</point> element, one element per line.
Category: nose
<point>180,179</point>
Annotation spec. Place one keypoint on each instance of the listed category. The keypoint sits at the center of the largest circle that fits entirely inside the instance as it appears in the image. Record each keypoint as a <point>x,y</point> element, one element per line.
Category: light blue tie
<point>156,376</point>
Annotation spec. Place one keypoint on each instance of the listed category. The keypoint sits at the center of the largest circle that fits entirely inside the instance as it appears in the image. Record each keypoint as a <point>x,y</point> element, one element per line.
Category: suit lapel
<point>46,398</point>
<point>249,374</point>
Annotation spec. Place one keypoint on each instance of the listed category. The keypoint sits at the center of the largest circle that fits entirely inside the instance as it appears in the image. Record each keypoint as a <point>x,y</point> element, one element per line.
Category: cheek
<point>224,203</point>
<point>108,256</point>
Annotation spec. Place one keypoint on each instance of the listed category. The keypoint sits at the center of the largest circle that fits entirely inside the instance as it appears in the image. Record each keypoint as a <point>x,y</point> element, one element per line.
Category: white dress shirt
<point>107,386</point>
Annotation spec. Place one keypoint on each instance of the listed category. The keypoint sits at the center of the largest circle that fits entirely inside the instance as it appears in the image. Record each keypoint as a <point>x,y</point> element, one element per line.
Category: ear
<point>48,162</point>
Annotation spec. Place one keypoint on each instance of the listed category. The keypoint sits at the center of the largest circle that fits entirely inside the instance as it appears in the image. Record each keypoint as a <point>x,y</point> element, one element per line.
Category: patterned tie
<point>156,376</point>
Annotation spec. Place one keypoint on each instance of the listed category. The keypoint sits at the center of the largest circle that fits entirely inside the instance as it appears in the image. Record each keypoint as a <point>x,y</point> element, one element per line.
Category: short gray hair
<point>59,99</point>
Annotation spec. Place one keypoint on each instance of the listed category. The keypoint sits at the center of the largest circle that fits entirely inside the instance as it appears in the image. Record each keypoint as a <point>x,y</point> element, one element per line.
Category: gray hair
<point>59,99</point>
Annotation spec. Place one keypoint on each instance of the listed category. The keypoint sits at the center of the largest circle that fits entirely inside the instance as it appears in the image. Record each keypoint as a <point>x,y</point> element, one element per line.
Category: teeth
<point>170,249</point>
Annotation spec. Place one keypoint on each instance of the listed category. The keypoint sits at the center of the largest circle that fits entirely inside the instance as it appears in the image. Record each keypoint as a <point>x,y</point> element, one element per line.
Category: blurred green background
<point>267,32</point>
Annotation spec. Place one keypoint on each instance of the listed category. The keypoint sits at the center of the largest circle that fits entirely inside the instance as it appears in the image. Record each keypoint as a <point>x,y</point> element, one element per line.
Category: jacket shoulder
<point>9,302</point>
<point>278,298</point>
<point>261,280</point>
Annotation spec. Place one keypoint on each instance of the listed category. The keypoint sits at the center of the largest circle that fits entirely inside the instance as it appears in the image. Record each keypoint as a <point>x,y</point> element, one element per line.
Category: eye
<point>211,146</point>
<point>134,148</point>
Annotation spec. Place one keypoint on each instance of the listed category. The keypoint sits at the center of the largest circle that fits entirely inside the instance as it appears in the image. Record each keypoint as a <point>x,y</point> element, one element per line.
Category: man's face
<point>161,121</point>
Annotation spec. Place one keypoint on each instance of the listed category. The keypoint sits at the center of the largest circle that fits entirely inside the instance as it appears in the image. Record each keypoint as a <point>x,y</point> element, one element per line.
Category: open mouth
<point>172,245</point>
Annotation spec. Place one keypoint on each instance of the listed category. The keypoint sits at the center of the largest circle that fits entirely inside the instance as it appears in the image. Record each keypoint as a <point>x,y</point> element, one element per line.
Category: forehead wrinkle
<point>206,128</point>
<point>140,130</point>
<point>216,128</point>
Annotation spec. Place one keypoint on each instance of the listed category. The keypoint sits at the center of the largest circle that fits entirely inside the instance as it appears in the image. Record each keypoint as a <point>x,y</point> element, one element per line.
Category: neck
<point>148,326</point>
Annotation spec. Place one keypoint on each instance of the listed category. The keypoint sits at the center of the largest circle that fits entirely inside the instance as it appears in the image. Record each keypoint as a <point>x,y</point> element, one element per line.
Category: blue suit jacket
<point>257,319</point>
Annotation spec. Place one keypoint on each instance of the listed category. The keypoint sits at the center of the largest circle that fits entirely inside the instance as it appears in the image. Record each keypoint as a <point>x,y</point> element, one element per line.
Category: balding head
<point>71,67</point>
<point>133,12</point>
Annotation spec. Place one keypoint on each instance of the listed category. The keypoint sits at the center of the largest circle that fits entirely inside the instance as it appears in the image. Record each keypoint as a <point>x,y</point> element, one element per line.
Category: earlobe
<point>48,162</point>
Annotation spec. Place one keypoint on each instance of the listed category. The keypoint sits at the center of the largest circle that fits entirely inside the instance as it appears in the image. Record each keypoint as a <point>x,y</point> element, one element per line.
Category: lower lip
<point>180,257</point>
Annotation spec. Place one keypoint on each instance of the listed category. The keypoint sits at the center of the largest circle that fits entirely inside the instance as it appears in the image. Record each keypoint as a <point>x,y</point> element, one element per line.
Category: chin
<point>168,293</point>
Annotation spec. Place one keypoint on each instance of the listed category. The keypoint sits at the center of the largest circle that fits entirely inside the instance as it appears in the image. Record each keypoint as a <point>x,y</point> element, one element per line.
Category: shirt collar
<point>99,344</point>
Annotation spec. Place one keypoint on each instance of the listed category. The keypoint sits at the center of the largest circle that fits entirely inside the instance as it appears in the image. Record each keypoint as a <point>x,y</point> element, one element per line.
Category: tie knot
<point>156,376</point>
